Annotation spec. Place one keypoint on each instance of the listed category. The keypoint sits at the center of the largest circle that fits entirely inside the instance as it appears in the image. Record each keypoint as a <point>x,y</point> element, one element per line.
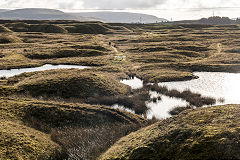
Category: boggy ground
<point>44,124</point>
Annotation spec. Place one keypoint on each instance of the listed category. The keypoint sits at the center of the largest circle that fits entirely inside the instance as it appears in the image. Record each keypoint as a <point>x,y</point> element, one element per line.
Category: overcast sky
<point>176,9</point>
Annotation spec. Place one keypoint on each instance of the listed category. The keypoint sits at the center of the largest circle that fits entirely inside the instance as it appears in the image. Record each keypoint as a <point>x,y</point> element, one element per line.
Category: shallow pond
<point>134,83</point>
<point>161,108</point>
<point>13,72</point>
<point>213,84</point>
<point>218,85</point>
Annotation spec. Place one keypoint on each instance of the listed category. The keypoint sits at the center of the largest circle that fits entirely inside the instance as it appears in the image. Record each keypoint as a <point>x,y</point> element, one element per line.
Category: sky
<point>169,9</point>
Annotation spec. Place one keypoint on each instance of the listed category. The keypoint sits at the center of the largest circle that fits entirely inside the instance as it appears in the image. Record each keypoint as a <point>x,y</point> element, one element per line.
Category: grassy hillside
<point>208,133</point>
<point>19,117</point>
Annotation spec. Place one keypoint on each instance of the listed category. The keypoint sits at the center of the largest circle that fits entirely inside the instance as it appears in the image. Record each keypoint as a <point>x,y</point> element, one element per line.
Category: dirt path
<point>215,53</point>
<point>119,56</point>
<point>219,48</point>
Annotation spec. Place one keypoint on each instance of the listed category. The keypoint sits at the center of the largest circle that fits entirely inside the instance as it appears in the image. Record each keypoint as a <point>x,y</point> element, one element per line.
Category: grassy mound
<point>90,46</point>
<point>65,53</point>
<point>5,39</point>
<point>189,53</point>
<point>154,49</point>
<point>36,114</point>
<point>88,28</point>
<point>21,142</point>
<point>191,48</point>
<point>154,74</point>
<point>47,28</point>
<point>18,27</point>
<point>71,83</point>
<point>208,133</point>
<point>4,29</point>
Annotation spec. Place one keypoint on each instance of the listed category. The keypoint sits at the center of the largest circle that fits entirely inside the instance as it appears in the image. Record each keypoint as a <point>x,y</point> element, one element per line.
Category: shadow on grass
<point>136,101</point>
<point>90,142</point>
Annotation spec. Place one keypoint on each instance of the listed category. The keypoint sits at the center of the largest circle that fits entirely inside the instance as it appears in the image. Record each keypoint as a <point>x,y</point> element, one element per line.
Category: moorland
<point>67,113</point>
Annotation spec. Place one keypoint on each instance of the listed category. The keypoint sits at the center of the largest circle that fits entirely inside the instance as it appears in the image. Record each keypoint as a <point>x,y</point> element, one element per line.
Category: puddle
<point>13,72</point>
<point>161,108</point>
<point>134,83</point>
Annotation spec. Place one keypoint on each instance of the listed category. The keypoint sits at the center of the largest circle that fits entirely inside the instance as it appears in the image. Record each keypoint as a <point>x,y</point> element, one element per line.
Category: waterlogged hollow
<point>157,109</point>
<point>224,87</point>
<point>161,108</point>
<point>134,83</point>
<point>13,72</point>
<point>214,84</point>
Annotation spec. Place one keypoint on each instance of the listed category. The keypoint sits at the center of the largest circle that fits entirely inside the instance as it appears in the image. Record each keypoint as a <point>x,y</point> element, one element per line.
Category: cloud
<point>122,4</point>
<point>118,4</point>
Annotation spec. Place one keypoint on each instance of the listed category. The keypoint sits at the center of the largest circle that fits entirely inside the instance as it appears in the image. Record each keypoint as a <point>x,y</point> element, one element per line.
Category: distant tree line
<point>215,20</point>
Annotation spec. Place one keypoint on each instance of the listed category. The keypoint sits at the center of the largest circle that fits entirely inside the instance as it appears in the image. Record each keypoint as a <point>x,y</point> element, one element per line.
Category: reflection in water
<point>161,108</point>
<point>13,72</point>
<point>116,106</point>
<point>134,83</point>
<point>224,87</point>
<point>215,84</point>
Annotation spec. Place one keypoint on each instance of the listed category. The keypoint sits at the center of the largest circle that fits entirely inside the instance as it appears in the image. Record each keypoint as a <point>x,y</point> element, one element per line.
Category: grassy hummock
<point>207,133</point>
<point>71,83</point>
<point>27,125</point>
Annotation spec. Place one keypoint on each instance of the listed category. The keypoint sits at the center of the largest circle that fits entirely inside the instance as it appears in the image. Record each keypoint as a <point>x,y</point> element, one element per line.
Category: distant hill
<point>121,17</point>
<point>39,14</point>
<point>3,10</point>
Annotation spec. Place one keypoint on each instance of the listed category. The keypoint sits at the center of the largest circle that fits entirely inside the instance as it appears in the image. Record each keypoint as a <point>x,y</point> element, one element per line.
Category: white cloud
<point>64,4</point>
<point>161,8</point>
<point>117,4</point>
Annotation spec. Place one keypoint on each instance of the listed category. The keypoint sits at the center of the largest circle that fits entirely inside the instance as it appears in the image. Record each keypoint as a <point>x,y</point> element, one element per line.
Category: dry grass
<point>25,126</point>
<point>136,101</point>
<point>70,83</point>
<point>4,29</point>
<point>5,39</point>
<point>206,133</point>
<point>154,53</point>
<point>89,143</point>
